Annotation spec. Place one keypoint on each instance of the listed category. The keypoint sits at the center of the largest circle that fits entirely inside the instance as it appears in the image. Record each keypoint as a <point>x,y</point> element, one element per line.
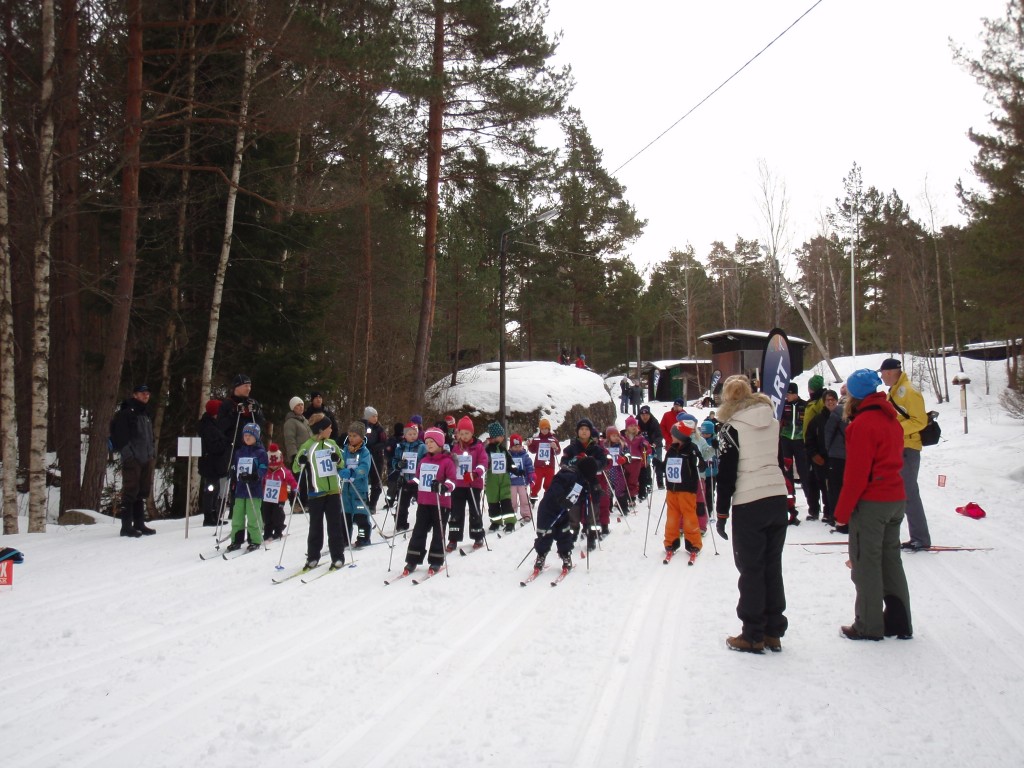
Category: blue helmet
<point>863,383</point>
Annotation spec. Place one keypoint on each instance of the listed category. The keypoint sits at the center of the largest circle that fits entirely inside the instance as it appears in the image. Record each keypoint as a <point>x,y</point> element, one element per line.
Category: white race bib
<point>613,452</point>
<point>428,473</point>
<point>544,452</point>
<point>674,469</point>
<point>498,464</point>
<point>323,461</point>
<point>245,467</point>
<point>272,492</point>
<point>574,494</point>
<point>409,459</point>
<point>517,461</point>
<point>352,462</point>
<point>465,461</point>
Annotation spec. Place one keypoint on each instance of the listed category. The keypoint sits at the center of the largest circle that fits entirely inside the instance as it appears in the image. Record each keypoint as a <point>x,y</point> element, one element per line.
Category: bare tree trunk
<point>41,283</point>
<point>8,418</point>
<point>110,376</point>
<point>435,140</point>
<point>66,361</point>
<point>229,218</point>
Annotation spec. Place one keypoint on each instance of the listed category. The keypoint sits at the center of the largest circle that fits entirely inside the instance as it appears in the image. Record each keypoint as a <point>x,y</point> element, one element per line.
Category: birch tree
<point>8,417</point>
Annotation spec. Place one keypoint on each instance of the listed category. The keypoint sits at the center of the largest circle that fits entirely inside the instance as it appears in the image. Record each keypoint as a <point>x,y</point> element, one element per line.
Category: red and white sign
<point>6,573</point>
<point>942,481</point>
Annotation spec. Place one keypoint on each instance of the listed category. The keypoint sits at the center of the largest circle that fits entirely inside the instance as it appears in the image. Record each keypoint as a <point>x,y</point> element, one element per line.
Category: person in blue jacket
<point>354,472</point>
<point>250,465</point>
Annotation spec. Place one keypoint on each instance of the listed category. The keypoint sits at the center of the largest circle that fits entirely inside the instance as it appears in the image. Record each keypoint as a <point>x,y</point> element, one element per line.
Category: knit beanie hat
<point>682,429</point>
<point>863,383</point>
<point>357,428</point>
<point>630,422</point>
<point>793,389</point>
<point>295,401</point>
<point>449,420</point>
<point>584,422</point>
<point>544,424</point>
<point>212,406</point>
<point>321,425</point>
<point>252,428</point>
<point>516,439</point>
<point>412,427</point>
<point>465,423</point>
<point>494,429</point>
<point>683,416</point>
<point>417,420</point>
<point>274,453</point>
<point>611,428</point>
<point>239,380</point>
<point>369,412</point>
<point>645,409</point>
<point>436,435</point>
<point>816,383</point>
<point>707,427</point>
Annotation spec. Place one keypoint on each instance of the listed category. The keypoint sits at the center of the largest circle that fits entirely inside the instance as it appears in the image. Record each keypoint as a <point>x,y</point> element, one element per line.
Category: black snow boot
<point>127,526</point>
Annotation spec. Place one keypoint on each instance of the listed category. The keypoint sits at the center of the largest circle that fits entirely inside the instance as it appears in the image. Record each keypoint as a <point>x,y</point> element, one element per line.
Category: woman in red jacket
<point>873,502</point>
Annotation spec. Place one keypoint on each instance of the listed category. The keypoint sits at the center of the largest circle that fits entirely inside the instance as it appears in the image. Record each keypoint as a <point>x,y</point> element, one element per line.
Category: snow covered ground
<point>120,652</point>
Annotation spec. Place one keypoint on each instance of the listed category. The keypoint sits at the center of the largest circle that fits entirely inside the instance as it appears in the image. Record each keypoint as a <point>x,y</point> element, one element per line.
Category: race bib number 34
<point>544,452</point>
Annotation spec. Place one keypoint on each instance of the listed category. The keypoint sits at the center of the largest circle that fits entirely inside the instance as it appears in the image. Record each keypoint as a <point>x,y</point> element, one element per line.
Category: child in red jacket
<point>278,485</point>
<point>545,449</point>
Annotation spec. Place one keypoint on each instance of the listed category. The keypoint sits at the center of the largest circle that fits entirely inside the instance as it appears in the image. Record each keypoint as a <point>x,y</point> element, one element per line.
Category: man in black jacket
<point>213,464</point>
<point>132,436</point>
<point>376,443</point>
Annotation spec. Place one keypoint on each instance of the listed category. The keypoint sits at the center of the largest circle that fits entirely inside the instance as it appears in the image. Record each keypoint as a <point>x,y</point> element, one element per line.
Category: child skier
<point>613,478</point>
<point>435,480</point>
<point>707,431</point>
<point>637,452</point>
<point>470,459</point>
<point>498,485</point>
<point>571,486</point>
<point>406,461</point>
<point>681,480</point>
<point>354,470</point>
<point>278,484</point>
<point>585,444</point>
<point>318,459</point>
<point>522,477</point>
<point>250,462</point>
<point>544,447</point>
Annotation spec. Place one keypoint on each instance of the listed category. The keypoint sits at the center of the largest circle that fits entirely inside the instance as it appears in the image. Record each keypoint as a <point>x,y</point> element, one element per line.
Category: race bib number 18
<point>428,472</point>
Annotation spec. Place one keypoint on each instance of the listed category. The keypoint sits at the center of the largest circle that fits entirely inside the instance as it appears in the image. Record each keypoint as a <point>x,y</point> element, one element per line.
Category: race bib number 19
<point>324,463</point>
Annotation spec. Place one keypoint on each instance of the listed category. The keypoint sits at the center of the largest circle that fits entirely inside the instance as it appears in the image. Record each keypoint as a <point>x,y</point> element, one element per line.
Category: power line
<point>718,88</point>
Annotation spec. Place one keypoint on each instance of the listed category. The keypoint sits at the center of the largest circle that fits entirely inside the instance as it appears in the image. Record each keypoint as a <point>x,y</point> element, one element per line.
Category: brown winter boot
<point>740,643</point>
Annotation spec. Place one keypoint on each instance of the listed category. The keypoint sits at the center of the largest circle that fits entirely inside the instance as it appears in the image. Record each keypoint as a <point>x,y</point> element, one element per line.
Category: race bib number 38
<point>674,470</point>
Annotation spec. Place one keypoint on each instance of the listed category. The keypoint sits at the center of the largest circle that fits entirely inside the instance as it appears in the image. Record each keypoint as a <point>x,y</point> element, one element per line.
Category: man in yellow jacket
<point>909,404</point>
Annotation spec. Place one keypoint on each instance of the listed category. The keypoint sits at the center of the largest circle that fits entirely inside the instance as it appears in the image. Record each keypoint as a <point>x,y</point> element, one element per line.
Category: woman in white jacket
<point>751,482</point>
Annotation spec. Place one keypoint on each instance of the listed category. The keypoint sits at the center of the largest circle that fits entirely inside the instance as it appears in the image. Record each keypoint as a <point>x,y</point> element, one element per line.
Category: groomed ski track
<point>133,652</point>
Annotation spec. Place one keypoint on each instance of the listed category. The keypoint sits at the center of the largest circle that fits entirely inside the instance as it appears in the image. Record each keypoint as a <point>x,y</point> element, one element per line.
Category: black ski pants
<point>320,508</point>
<point>758,538</point>
<point>461,498</point>
<point>429,519</point>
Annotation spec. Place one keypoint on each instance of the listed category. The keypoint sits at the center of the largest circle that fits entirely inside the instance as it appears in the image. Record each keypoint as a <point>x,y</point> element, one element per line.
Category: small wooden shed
<point>739,351</point>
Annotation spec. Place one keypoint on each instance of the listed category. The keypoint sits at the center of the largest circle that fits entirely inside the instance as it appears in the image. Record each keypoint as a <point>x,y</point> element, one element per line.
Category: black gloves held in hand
<point>720,527</point>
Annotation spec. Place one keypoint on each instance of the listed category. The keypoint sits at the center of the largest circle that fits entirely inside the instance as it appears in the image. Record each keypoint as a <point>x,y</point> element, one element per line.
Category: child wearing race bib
<point>278,483</point>
<point>498,485</point>
<point>545,449</point>
<point>435,480</point>
<point>681,479</point>
<point>317,459</point>
<point>407,456</point>
<point>568,488</point>
<point>354,469</point>
<point>471,460</point>
<point>250,465</point>
<point>638,451</point>
<point>618,458</point>
<point>522,476</point>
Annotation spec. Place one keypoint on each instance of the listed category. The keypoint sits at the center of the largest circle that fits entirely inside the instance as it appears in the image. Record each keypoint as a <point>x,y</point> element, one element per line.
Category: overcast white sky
<point>871,81</point>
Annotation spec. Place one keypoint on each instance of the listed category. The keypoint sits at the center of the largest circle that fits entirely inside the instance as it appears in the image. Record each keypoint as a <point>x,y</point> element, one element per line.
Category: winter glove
<point>303,459</point>
<point>714,443</point>
<point>720,527</point>
<point>581,456</point>
<point>843,528</point>
<point>818,461</point>
<point>435,487</point>
<point>345,474</point>
<point>335,456</point>
<point>467,477</point>
<point>517,471</point>
<point>621,460</point>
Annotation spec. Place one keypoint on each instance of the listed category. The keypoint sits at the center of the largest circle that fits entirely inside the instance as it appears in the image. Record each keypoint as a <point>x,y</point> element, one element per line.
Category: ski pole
<point>712,527</point>
<point>375,525</point>
<point>657,525</point>
<point>348,528</point>
<point>648,531</point>
<point>291,514</point>
<point>479,516</point>
<point>440,531</point>
<point>611,490</point>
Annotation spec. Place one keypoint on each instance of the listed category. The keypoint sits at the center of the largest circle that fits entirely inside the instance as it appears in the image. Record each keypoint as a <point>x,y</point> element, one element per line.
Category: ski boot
<point>337,564</point>
<point>252,547</point>
<point>509,527</point>
<point>234,546</point>
<point>566,562</point>
<point>538,564</point>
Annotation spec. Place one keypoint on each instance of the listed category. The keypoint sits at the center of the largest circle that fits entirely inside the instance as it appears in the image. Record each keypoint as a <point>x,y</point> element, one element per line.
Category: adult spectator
<point>751,483</point>
<point>316,405</point>
<point>813,491</point>
<point>636,397</point>
<point>872,502</point>
<point>669,419</point>
<point>625,387</point>
<point>238,410</point>
<point>817,452</point>
<point>296,430</point>
<point>214,464</point>
<point>791,445</point>
<point>376,443</point>
<point>835,445</point>
<point>132,434</point>
<point>909,405</point>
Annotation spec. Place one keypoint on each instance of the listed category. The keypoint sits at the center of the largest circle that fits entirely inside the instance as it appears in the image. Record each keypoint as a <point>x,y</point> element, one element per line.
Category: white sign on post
<point>189,447</point>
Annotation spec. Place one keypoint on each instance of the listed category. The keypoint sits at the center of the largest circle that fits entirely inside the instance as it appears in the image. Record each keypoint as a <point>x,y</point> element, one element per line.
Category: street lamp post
<point>502,253</point>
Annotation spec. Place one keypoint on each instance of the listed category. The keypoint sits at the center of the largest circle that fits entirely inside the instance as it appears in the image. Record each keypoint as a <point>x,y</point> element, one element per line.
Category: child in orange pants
<point>681,479</point>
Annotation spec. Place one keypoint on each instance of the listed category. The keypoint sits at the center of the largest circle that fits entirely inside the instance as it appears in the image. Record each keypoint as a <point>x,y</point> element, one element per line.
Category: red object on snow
<point>971,510</point>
